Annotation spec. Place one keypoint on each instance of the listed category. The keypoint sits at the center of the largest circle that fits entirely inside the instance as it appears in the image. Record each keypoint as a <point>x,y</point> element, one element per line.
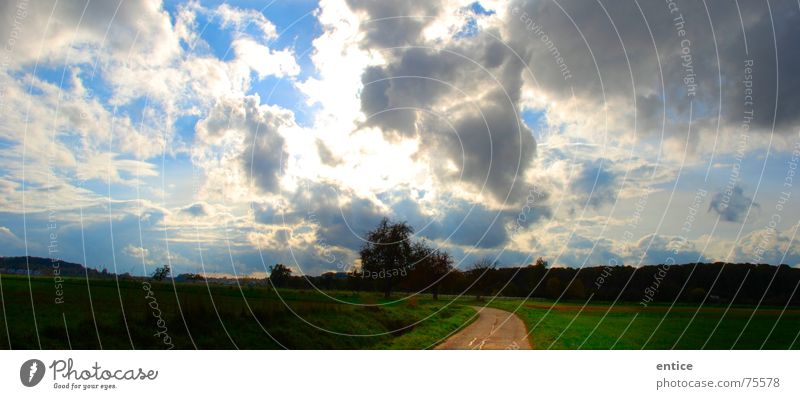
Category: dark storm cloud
<point>732,205</point>
<point>459,223</point>
<point>473,226</point>
<point>342,225</point>
<point>470,224</point>
<point>394,23</point>
<point>340,217</point>
<point>264,157</point>
<point>462,102</point>
<point>420,78</point>
<point>394,117</point>
<point>610,53</point>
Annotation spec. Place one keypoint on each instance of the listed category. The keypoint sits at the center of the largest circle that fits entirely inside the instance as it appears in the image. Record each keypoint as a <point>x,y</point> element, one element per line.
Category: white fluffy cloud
<point>136,252</point>
<point>263,60</point>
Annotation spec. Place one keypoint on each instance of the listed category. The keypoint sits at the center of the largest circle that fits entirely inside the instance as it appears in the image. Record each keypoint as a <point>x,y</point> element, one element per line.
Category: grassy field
<point>215,317</point>
<point>570,325</point>
<point>187,316</point>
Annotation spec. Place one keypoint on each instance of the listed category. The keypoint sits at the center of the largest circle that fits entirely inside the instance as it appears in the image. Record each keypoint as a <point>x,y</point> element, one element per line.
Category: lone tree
<point>387,253</point>
<point>161,273</point>
<point>433,265</point>
<point>279,274</point>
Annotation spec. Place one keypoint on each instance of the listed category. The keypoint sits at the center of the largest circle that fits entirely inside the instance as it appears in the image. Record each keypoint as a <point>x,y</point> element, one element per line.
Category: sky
<point>224,137</point>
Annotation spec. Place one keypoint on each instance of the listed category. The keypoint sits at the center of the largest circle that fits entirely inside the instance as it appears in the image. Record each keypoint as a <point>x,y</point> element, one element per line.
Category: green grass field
<point>227,317</point>
<point>570,325</point>
<point>215,317</point>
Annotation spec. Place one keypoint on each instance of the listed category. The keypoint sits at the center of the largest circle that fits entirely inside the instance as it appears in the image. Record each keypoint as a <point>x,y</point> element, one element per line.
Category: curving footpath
<point>492,329</point>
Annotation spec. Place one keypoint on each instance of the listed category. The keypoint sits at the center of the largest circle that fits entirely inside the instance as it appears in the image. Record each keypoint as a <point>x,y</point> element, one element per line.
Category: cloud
<point>9,241</point>
<point>197,209</point>
<point>769,245</point>
<point>395,23</point>
<point>462,107</point>
<point>628,68</point>
<point>560,246</point>
<point>339,217</point>
<point>263,60</point>
<point>72,145</point>
<point>473,226</point>
<point>136,252</point>
<point>137,31</point>
<point>732,205</point>
<point>412,111</point>
<point>655,249</point>
<point>242,143</point>
<point>241,19</point>
<point>594,183</point>
<point>326,155</point>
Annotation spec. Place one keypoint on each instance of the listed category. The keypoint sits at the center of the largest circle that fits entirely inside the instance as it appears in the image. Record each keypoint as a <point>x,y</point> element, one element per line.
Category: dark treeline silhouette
<point>392,262</point>
<point>693,283</point>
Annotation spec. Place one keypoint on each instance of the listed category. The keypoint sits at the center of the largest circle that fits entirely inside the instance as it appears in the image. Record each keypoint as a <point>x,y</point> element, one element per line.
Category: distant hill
<point>46,267</point>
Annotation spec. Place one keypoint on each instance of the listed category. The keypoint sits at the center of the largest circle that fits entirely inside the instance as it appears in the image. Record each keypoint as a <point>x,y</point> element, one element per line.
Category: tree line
<point>391,261</point>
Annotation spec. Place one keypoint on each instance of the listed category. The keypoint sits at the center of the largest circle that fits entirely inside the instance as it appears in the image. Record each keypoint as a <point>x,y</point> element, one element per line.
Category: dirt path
<point>493,329</point>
